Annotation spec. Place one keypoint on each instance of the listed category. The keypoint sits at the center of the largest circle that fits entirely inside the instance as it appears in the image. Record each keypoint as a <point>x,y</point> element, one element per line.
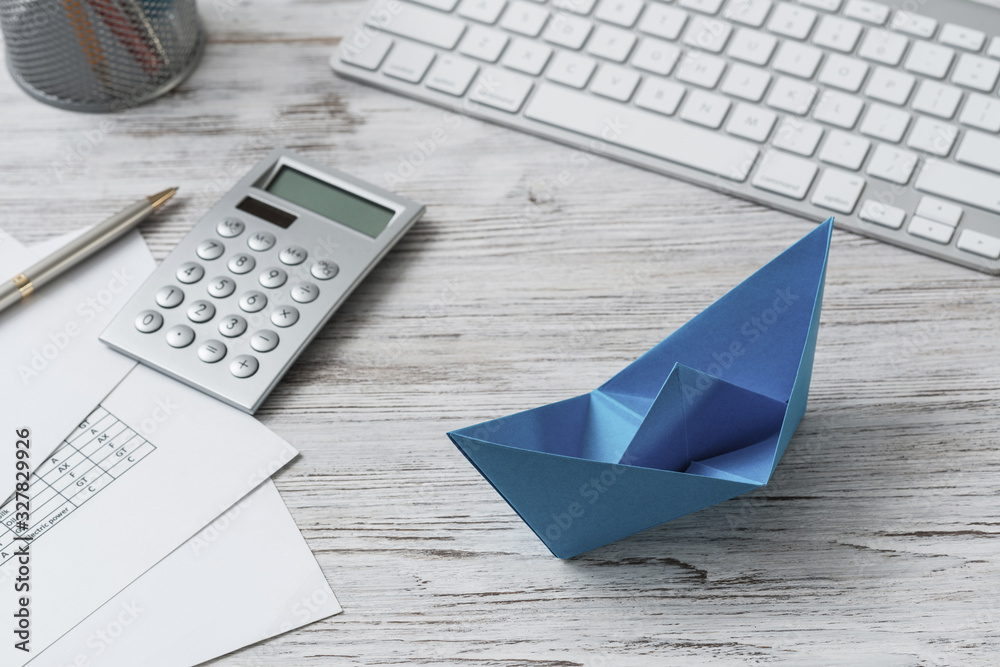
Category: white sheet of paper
<point>51,354</point>
<point>246,577</point>
<point>173,461</point>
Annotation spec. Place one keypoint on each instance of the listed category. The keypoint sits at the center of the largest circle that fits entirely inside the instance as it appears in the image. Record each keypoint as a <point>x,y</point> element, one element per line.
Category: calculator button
<point>148,321</point>
<point>221,287</point>
<point>261,241</point>
<point>209,250</point>
<point>232,326</point>
<point>169,297</point>
<point>240,264</point>
<point>324,270</point>
<point>230,227</point>
<point>201,311</point>
<point>293,255</point>
<point>252,302</point>
<point>211,351</point>
<point>285,316</point>
<point>243,366</point>
<point>272,278</point>
<point>180,336</point>
<point>264,341</point>
<point>190,272</point>
<point>305,293</point>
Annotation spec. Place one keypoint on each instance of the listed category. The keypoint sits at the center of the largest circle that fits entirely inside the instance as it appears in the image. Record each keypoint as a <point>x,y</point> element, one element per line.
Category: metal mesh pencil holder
<point>100,55</point>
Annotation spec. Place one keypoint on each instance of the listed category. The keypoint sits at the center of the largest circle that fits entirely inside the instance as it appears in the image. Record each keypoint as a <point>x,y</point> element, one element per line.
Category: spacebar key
<point>969,186</point>
<point>642,131</point>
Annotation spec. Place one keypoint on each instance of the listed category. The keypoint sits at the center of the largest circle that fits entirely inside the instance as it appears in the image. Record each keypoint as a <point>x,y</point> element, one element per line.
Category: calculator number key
<point>148,321</point>
<point>293,255</point>
<point>264,341</point>
<point>212,351</point>
<point>324,270</point>
<point>272,278</point>
<point>243,366</point>
<point>221,287</point>
<point>230,227</point>
<point>252,302</point>
<point>232,326</point>
<point>190,273</point>
<point>200,311</point>
<point>305,293</point>
<point>285,316</point>
<point>169,297</point>
<point>261,241</point>
<point>240,264</point>
<point>180,336</point>
<point>209,250</point>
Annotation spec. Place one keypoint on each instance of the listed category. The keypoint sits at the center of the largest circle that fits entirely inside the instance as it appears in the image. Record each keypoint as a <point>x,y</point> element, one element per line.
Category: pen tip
<point>160,198</point>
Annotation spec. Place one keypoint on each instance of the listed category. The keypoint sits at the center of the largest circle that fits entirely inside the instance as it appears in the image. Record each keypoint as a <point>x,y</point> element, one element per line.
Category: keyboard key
<point>417,23</point>
<point>575,6</point>
<point>790,95</point>
<point>976,72</point>
<point>452,75</point>
<point>883,47</point>
<point>200,311</point>
<point>240,264</point>
<point>617,83</point>
<point>409,62</point>
<point>264,340</point>
<point>890,86</point>
<point>369,57</point>
<point>660,95</point>
<point>791,20</point>
<point>747,12</point>
<point>619,12</point>
<point>864,10</point>
<point>751,46</point>
<point>232,326</point>
<point>261,241</point>
<point>993,50</point>
<point>209,250</point>
<point>662,137</point>
<point>884,122</point>
<point>568,31</point>
<point>527,56</point>
<point>843,72</point>
<point>524,18</point>
<point>148,321</point>
<point>751,122</point>
<point>190,273</point>
<point>212,351</point>
<point>825,5</point>
<point>962,184</point>
<point>243,366</point>
<point>251,302</point>
<point>838,109</point>
<point>701,69</point>
<point>707,33</point>
<point>844,150</point>
<point>937,99</point>
<point>785,174</point>
<point>661,21</point>
<point>797,59</point>
<point>180,336</point>
<point>962,37</point>
<point>939,211</point>
<point>914,24</point>
<point>882,214</point>
<point>501,89</point>
<point>284,316</point>
<point>932,136</point>
<point>571,69</point>
<point>745,82</point>
<point>221,287</point>
<point>705,109</point>
<point>231,227</point>
<point>443,5</point>
<point>929,59</point>
<point>304,293</point>
<point>656,56</point>
<point>484,11</point>
<point>892,164</point>
<point>169,297</point>
<point>982,112</point>
<point>838,191</point>
<point>612,43</point>
<point>837,34</point>
<point>930,230</point>
<point>324,269</point>
<point>979,243</point>
<point>704,6</point>
<point>980,150</point>
<point>798,136</point>
<point>483,43</point>
<point>272,277</point>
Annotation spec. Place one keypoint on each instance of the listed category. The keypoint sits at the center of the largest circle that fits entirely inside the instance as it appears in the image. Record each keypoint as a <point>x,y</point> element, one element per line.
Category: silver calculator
<point>235,303</point>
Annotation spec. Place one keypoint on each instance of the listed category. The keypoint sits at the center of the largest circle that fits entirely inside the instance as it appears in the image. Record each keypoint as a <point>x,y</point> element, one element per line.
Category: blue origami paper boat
<point>701,418</point>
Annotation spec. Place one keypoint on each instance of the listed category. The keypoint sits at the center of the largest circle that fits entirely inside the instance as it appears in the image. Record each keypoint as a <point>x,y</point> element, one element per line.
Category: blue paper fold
<point>703,416</point>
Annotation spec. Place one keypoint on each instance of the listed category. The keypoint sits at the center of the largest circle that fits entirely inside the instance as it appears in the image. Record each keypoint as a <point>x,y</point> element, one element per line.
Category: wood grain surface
<point>536,275</point>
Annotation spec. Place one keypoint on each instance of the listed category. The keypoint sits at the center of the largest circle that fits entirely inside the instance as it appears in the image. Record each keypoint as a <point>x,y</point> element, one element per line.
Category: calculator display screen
<point>330,201</point>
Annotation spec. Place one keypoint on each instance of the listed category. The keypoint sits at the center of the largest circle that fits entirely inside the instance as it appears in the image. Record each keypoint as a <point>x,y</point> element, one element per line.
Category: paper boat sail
<point>701,418</point>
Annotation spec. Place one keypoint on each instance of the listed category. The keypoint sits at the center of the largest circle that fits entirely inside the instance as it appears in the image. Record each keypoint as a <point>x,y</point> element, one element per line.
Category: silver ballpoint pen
<point>23,284</point>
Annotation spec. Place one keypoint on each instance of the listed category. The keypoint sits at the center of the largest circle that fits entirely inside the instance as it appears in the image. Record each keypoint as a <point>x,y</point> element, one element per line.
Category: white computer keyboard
<point>887,120</point>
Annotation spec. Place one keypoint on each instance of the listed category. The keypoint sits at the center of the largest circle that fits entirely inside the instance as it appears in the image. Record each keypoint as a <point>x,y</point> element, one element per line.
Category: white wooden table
<point>535,276</point>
